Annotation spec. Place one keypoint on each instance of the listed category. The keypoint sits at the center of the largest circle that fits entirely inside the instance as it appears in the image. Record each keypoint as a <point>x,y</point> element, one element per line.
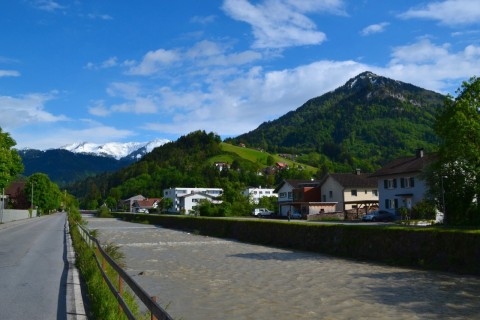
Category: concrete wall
<point>12,215</point>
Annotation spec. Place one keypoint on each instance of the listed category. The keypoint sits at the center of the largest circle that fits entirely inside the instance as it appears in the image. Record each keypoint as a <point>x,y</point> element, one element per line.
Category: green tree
<point>45,194</point>
<point>10,162</point>
<point>458,165</point>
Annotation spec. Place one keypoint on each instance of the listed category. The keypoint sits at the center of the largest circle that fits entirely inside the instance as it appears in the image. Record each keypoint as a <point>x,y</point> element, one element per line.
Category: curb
<point>75,306</point>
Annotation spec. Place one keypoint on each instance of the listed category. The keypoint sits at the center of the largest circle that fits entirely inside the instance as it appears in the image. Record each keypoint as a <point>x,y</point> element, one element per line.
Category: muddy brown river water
<point>197,277</point>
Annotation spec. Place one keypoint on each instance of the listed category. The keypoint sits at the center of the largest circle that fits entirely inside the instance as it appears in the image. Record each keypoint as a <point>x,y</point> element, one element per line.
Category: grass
<point>258,156</point>
<point>102,302</point>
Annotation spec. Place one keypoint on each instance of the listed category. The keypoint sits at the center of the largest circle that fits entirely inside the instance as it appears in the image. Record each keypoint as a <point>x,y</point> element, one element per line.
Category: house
<point>184,199</point>
<point>302,196</point>
<point>128,203</point>
<point>400,182</point>
<point>221,166</point>
<point>351,191</point>
<point>16,197</point>
<point>146,205</point>
<point>256,193</point>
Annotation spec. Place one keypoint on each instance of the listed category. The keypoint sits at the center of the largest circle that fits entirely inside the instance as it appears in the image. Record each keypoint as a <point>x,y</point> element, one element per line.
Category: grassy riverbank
<point>438,248</point>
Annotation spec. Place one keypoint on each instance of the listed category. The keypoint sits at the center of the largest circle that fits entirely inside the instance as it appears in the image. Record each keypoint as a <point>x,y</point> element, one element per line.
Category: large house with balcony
<point>400,182</point>
<point>302,196</point>
<point>184,199</point>
<point>255,194</point>
<point>351,191</point>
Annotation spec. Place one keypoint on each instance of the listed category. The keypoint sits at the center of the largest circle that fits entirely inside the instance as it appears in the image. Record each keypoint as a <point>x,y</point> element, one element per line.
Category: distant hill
<point>64,167</point>
<point>366,122</point>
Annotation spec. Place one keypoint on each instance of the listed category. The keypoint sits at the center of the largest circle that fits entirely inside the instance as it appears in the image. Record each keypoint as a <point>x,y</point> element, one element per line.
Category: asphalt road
<point>34,269</point>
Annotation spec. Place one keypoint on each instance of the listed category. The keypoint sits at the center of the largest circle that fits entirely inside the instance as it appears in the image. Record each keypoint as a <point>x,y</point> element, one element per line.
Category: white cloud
<point>98,16</point>
<point>109,63</point>
<point>47,5</point>
<point>9,73</point>
<point>283,23</point>
<point>26,109</point>
<point>203,19</point>
<point>154,61</point>
<point>433,66</point>
<point>374,28</point>
<point>84,130</point>
<point>449,12</point>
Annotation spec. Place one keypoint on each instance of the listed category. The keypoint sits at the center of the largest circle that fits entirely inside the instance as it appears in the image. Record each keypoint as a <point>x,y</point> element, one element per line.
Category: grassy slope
<point>256,156</point>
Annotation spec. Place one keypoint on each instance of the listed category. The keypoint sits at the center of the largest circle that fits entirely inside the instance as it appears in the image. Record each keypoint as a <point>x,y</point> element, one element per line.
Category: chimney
<point>419,153</point>
<point>357,171</point>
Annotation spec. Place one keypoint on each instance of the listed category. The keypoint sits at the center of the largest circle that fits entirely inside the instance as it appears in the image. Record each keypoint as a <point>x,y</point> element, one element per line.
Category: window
<point>366,191</point>
<point>290,195</point>
<point>375,192</point>
<point>391,203</point>
<point>390,183</point>
<point>354,192</point>
<point>282,194</point>
<point>330,194</point>
<point>408,182</point>
<point>324,198</point>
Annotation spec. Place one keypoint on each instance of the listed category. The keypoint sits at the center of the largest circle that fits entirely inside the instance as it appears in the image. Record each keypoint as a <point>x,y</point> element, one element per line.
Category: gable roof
<point>353,180</point>
<point>296,183</point>
<point>147,203</point>
<point>406,165</point>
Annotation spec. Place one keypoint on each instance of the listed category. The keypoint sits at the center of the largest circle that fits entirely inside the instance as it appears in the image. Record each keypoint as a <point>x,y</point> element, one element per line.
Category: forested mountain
<point>364,123</point>
<point>63,167</point>
<point>187,162</point>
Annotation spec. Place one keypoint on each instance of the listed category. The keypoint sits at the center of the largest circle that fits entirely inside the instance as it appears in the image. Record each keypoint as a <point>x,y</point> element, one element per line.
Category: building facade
<point>184,199</point>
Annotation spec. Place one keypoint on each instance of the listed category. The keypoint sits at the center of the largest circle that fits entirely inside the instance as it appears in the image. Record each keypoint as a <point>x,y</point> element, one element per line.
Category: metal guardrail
<point>156,311</point>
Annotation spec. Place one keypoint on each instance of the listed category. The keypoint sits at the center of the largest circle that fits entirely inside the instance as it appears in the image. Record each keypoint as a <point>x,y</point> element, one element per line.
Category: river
<point>197,277</point>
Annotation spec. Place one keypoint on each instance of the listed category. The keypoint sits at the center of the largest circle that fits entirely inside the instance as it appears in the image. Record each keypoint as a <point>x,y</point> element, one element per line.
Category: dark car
<point>380,215</point>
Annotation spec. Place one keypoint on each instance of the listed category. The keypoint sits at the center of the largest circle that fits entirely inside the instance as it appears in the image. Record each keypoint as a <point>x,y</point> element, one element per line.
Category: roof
<point>147,202</point>
<point>404,165</point>
<point>354,180</point>
<point>296,183</point>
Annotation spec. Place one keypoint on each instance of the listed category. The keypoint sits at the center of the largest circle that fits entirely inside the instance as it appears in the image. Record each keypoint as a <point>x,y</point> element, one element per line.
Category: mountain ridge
<point>367,121</point>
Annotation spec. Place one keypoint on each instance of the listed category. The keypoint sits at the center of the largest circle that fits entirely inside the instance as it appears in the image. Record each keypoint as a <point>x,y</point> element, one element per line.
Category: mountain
<point>117,150</point>
<point>63,166</point>
<point>80,160</point>
<point>369,120</point>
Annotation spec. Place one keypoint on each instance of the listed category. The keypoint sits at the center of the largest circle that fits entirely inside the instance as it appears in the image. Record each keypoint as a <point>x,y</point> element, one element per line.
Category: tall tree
<point>458,167</point>
<point>10,162</point>
<point>45,194</point>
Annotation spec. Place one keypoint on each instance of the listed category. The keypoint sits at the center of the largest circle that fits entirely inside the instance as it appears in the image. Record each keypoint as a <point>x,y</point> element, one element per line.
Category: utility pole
<point>1,208</point>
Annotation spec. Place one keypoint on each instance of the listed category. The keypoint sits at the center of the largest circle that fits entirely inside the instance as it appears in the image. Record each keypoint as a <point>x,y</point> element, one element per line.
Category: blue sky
<point>118,71</point>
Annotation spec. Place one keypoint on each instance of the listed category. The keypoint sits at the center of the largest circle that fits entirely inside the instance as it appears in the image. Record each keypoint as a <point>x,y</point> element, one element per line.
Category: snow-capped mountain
<point>116,150</point>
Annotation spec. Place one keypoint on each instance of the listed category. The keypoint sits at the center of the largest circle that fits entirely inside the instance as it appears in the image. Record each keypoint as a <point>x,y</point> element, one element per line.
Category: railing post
<point>152,316</point>
<point>120,291</point>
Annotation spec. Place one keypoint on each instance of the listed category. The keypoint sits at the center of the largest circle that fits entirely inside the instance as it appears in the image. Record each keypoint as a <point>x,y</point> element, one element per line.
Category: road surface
<point>34,269</point>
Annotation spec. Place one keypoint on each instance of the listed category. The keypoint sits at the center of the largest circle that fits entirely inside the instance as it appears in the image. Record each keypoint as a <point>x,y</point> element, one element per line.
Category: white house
<point>400,182</point>
<point>349,190</point>
<point>184,199</point>
<point>256,193</point>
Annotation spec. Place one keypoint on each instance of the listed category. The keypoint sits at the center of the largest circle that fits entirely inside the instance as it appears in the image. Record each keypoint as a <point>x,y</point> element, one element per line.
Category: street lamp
<point>443,197</point>
<point>31,202</point>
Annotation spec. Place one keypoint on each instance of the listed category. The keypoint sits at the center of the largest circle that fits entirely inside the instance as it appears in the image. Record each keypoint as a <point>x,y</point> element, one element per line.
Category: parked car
<point>296,215</point>
<point>380,215</point>
<point>141,210</point>
<point>261,212</point>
